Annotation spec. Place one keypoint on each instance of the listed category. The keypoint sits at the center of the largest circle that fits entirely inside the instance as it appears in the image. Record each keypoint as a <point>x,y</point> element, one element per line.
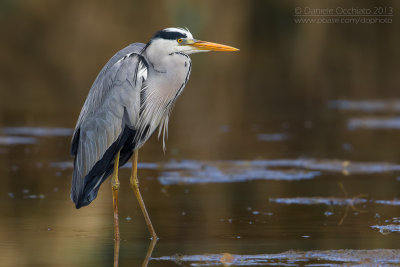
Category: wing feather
<point>113,103</point>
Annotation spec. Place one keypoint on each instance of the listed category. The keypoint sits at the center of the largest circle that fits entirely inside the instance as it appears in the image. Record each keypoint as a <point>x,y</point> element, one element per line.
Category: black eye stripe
<point>169,35</point>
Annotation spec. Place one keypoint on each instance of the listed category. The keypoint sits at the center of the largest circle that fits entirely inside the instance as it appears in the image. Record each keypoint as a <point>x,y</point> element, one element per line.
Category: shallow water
<point>253,211</point>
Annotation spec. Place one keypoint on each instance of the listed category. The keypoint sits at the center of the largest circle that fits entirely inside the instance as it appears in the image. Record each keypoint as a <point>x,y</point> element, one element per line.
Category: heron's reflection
<point>152,245</point>
<point>146,260</point>
<point>116,251</point>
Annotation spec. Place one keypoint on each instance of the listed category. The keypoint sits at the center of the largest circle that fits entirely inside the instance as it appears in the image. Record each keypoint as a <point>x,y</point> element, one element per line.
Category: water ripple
<point>291,258</point>
<point>374,123</point>
<point>215,175</point>
<point>38,131</point>
<point>365,106</point>
<point>191,171</point>
<point>276,137</point>
<point>16,140</point>
<point>331,201</point>
<point>387,229</point>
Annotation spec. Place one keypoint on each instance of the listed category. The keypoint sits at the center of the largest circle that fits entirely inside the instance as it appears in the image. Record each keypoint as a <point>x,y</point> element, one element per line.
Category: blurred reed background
<point>51,52</point>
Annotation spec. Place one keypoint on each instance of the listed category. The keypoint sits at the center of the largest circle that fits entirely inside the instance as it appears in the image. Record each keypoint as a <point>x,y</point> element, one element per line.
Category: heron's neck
<point>162,58</point>
<point>158,62</point>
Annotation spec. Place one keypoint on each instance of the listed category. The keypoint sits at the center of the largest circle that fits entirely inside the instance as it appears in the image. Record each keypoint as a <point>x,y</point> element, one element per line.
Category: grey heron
<point>131,97</point>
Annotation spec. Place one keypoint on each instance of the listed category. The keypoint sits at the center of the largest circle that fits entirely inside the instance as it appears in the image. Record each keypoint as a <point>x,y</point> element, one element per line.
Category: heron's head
<point>172,40</point>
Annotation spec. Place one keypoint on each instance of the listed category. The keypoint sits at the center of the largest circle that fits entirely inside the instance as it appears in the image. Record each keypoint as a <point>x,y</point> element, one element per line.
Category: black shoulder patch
<point>169,35</point>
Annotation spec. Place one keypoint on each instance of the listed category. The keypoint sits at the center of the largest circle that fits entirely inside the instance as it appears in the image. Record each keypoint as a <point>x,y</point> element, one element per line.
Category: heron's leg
<point>116,252</point>
<point>115,189</point>
<point>135,187</point>
<point>153,243</point>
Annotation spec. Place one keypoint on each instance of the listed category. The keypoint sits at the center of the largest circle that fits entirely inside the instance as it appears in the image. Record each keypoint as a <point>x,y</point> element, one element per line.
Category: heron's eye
<point>179,41</point>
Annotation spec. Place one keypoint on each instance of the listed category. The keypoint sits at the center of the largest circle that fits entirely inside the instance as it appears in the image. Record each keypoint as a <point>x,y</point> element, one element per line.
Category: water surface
<point>264,210</point>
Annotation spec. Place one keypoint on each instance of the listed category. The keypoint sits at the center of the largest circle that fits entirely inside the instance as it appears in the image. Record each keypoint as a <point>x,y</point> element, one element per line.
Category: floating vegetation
<point>38,131</point>
<point>291,258</point>
<point>16,140</point>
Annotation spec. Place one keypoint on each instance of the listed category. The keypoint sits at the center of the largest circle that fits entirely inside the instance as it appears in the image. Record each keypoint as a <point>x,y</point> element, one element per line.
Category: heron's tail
<point>84,189</point>
<point>87,191</point>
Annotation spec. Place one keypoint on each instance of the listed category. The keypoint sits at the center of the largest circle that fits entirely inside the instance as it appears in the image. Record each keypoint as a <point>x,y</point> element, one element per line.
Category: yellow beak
<point>203,45</point>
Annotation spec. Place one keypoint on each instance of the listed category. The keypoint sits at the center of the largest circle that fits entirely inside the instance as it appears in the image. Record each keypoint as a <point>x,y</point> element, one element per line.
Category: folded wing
<point>107,122</point>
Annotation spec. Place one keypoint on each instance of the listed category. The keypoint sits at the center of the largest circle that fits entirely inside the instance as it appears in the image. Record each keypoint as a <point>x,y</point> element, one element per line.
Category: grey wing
<point>104,81</point>
<point>107,120</point>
